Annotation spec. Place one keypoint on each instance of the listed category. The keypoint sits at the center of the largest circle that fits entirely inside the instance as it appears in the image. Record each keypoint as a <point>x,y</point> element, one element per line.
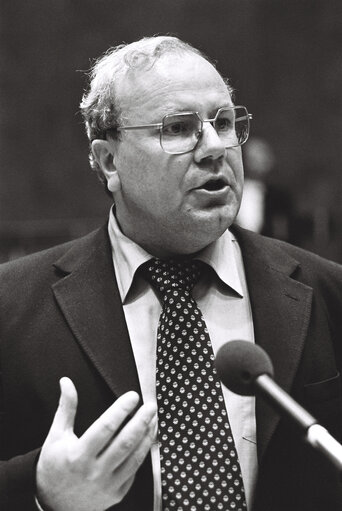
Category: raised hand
<point>95,471</point>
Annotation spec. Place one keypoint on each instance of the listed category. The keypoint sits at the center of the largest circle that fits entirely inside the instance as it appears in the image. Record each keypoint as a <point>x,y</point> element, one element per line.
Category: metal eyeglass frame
<point>160,125</point>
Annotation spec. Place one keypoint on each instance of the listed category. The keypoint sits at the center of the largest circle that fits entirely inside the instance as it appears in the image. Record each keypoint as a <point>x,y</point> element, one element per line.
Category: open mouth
<point>214,185</point>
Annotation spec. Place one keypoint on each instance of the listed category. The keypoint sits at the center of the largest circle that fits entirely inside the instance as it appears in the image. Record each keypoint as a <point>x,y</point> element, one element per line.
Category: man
<point>166,140</point>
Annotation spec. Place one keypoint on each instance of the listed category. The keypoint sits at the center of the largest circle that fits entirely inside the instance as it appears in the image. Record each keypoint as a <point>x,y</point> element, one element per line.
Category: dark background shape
<point>284,59</point>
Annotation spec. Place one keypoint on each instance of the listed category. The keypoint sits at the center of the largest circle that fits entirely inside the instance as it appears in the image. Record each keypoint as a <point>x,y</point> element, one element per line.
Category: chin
<point>215,222</point>
<point>194,239</point>
<point>191,233</point>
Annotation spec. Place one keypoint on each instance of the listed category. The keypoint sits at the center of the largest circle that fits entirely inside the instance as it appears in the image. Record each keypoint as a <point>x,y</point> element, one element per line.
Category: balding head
<point>100,105</point>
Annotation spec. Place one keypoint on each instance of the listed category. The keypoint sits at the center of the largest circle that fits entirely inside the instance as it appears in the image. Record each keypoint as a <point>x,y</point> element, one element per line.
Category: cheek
<point>235,163</point>
<point>132,168</point>
<point>152,175</point>
<point>149,177</point>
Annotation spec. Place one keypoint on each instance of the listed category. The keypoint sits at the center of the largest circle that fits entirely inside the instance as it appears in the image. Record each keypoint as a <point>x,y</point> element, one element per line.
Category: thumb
<point>65,415</point>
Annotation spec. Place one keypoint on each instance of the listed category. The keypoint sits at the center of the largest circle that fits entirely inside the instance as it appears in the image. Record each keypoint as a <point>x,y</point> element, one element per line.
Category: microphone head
<point>239,363</point>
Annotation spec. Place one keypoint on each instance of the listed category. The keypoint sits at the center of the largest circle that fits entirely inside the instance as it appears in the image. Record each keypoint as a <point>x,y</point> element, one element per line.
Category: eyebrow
<point>160,123</point>
<point>181,110</point>
<point>169,109</point>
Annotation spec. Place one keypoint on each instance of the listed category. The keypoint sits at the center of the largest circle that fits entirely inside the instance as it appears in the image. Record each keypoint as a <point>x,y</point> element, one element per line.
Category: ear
<point>103,152</point>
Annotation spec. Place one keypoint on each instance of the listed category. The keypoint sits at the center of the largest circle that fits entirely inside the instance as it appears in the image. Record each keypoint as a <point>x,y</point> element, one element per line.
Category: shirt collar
<point>128,256</point>
<point>224,256</point>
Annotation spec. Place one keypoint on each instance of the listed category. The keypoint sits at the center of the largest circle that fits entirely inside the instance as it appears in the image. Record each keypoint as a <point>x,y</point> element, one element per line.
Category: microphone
<point>246,369</point>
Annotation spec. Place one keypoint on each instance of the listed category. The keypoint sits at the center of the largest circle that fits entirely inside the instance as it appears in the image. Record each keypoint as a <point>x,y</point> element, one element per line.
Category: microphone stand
<point>315,434</point>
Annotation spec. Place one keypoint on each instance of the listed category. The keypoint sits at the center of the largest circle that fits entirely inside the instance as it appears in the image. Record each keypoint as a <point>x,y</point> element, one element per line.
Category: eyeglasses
<point>180,132</point>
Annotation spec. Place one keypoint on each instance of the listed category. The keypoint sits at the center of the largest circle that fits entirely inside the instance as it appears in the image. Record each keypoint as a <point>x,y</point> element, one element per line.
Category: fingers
<point>65,415</point>
<point>99,466</point>
<point>134,439</point>
<point>132,462</point>
<point>104,428</point>
<point>124,476</point>
<point>124,488</point>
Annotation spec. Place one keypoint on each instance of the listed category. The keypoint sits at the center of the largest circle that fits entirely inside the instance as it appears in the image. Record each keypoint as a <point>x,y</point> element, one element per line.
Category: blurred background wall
<point>284,58</point>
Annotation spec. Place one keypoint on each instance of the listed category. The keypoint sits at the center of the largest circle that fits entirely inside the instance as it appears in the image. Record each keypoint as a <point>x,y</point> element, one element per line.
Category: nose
<point>209,145</point>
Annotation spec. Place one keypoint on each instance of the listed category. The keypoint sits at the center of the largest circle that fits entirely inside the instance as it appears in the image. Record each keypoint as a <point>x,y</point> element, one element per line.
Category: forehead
<point>174,83</point>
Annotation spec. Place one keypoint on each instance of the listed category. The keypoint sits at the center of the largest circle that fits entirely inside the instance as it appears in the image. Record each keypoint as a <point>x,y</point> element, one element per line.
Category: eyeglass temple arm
<point>248,116</point>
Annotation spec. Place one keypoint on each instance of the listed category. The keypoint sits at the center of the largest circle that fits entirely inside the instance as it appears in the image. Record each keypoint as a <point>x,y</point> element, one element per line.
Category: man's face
<point>175,204</point>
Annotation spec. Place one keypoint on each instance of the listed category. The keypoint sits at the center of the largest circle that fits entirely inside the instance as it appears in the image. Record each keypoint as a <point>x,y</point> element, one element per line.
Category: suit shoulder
<point>275,253</point>
<point>39,266</point>
<point>309,259</point>
<point>33,263</point>
<point>323,275</point>
<point>30,260</point>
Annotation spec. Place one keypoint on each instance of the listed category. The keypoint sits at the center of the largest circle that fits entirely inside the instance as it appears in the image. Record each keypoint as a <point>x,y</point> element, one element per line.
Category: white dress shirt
<point>223,299</point>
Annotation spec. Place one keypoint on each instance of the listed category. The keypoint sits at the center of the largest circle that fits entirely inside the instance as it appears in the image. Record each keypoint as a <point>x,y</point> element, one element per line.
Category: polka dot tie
<point>199,465</point>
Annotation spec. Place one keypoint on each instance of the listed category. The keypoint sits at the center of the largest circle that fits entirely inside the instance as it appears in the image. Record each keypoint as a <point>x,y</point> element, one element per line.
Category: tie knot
<point>171,274</point>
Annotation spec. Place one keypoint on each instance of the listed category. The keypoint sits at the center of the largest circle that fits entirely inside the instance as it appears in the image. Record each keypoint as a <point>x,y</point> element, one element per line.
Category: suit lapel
<point>281,309</point>
<point>89,299</point>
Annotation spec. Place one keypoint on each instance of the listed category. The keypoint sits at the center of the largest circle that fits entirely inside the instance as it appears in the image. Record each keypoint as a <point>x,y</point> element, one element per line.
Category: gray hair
<point>100,104</point>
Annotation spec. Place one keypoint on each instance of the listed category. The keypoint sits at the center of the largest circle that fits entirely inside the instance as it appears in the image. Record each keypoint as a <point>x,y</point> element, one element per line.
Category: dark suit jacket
<point>60,314</point>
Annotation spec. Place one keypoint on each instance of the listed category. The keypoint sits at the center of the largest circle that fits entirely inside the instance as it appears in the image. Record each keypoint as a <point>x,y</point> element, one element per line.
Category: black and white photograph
<point>171,255</point>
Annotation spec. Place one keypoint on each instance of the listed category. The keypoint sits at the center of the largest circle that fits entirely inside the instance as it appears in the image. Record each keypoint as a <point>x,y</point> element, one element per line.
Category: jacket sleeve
<point>17,482</point>
<point>17,475</point>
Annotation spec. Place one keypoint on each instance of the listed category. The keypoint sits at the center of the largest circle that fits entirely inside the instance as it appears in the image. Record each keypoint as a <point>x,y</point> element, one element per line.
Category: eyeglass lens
<point>180,132</point>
